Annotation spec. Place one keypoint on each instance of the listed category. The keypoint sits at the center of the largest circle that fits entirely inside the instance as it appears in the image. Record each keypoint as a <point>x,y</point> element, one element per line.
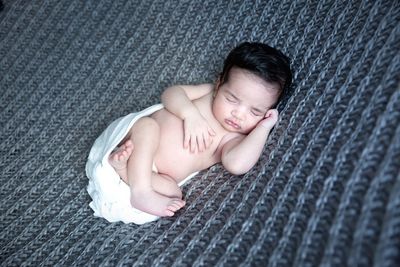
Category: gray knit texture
<point>326,190</point>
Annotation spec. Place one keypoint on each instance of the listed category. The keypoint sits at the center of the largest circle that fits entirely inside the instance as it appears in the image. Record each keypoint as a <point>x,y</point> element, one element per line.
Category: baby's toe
<point>178,204</point>
<point>129,144</point>
<point>169,213</point>
<point>114,157</point>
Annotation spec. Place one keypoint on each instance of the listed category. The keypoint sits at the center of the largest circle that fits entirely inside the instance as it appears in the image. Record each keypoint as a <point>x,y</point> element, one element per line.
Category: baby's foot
<point>119,159</point>
<point>154,203</point>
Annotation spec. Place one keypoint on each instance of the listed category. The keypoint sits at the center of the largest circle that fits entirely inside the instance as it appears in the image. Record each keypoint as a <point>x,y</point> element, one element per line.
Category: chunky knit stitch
<point>326,190</point>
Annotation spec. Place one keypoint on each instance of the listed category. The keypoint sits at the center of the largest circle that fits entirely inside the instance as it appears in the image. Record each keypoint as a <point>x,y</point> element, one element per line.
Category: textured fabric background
<point>326,190</point>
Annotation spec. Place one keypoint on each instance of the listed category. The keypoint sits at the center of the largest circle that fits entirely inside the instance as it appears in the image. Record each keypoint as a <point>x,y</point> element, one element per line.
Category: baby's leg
<point>161,183</point>
<point>166,186</point>
<point>145,136</point>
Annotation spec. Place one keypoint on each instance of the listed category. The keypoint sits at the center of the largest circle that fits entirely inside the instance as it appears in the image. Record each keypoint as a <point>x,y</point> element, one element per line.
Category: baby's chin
<point>239,131</point>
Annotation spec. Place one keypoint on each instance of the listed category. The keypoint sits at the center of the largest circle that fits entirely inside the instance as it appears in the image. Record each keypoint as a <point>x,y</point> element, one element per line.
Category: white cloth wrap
<point>110,195</point>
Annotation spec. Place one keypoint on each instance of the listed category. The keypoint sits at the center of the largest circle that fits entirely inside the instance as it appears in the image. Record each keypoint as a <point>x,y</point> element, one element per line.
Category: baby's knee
<point>147,123</point>
<point>145,126</point>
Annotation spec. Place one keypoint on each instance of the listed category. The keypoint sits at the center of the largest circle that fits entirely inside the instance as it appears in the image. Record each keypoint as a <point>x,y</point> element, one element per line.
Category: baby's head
<point>253,78</point>
<point>260,59</point>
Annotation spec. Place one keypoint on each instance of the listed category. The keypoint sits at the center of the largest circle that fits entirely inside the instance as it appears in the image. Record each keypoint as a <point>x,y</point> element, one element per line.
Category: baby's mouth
<point>233,124</point>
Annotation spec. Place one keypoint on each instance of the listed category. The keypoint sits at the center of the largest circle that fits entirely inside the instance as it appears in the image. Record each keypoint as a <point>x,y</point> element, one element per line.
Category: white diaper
<point>111,195</point>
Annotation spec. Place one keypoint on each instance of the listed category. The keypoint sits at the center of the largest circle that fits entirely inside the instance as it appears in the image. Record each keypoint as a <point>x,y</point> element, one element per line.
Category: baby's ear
<point>218,82</point>
<point>217,85</point>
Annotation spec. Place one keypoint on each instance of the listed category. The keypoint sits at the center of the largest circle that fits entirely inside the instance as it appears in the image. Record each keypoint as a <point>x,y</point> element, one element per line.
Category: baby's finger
<point>207,141</point>
<point>186,140</point>
<point>200,143</point>
<point>211,131</point>
<point>193,144</point>
<point>272,113</point>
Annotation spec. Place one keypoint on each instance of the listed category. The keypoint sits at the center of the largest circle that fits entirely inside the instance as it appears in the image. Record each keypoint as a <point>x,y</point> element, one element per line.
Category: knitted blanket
<point>326,190</point>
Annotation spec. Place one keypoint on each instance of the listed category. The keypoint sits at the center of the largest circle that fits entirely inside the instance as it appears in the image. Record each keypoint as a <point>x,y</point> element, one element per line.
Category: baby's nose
<point>238,113</point>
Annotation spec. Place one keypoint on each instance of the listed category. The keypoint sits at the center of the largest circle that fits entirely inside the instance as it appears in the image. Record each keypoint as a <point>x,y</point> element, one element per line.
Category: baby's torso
<point>171,158</point>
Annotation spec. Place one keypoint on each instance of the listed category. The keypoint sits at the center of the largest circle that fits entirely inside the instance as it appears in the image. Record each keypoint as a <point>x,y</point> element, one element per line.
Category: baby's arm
<point>178,100</point>
<point>241,153</point>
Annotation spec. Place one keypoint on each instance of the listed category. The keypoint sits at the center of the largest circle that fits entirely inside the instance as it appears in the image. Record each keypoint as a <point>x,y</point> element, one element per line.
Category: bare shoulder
<point>197,91</point>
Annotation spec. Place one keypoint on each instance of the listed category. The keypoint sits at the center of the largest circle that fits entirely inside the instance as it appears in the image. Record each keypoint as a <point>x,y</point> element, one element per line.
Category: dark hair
<point>262,60</point>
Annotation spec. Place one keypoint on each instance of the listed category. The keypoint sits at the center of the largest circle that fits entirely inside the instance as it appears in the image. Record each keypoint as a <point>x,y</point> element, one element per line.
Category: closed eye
<point>231,99</point>
<point>257,112</point>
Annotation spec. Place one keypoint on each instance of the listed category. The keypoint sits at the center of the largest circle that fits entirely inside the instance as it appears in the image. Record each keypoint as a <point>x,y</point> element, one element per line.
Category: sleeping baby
<point>137,165</point>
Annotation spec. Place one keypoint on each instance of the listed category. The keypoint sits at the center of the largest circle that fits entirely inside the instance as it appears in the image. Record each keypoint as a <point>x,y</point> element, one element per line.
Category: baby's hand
<point>270,118</point>
<point>198,135</point>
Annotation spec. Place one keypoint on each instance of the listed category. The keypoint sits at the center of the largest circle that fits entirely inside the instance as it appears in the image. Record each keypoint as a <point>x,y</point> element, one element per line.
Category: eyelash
<point>256,114</point>
<point>231,100</point>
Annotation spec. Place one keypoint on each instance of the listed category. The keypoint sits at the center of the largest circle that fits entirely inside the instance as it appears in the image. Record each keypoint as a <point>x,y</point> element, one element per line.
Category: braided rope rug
<point>326,190</point>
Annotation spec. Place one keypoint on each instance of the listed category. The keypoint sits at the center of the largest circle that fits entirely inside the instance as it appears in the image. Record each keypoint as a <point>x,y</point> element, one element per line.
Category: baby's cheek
<point>253,124</point>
